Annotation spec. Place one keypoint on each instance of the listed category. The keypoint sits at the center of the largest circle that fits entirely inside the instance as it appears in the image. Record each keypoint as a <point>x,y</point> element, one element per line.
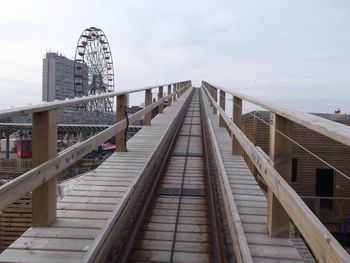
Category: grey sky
<point>294,53</point>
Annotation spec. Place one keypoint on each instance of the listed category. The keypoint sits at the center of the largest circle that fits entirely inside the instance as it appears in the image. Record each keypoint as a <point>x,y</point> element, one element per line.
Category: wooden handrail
<point>331,129</point>
<point>322,243</point>
<point>45,106</point>
<point>32,179</point>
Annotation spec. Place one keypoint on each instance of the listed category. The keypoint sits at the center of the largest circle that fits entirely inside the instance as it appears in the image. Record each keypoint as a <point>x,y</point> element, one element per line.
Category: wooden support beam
<point>7,154</point>
<point>148,101</point>
<point>160,95</point>
<point>169,92</point>
<point>120,136</point>
<point>215,96</point>
<point>222,105</point>
<point>44,147</point>
<point>237,119</point>
<point>280,156</point>
<point>174,91</point>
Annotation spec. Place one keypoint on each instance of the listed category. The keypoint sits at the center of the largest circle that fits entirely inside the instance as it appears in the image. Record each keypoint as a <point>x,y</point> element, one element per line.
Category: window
<point>324,187</point>
<point>294,170</point>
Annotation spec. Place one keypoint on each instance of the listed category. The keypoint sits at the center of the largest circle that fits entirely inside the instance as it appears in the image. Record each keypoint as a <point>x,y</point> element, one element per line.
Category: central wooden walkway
<point>92,201</point>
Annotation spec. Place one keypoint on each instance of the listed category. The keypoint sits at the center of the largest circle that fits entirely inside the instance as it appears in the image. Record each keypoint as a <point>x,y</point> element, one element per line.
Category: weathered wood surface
<point>331,129</point>
<point>92,199</point>
<point>252,205</point>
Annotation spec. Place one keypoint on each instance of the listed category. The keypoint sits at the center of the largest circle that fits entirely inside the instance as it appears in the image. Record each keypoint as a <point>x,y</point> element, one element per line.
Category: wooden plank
<point>331,129</point>
<point>222,100</point>
<point>84,207</point>
<point>274,252</point>
<point>151,256</point>
<point>40,256</point>
<point>52,244</point>
<point>56,232</point>
<point>160,95</point>
<point>193,257</point>
<point>120,136</point>
<point>148,101</point>
<point>44,147</point>
<point>83,214</point>
<point>280,156</point>
<point>81,223</point>
<point>237,119</point>
<point>45,106</point>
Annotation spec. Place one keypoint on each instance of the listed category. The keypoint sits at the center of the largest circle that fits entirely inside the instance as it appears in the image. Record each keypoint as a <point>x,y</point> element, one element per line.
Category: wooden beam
<point>280,155</point>
<point>237,119</point>
<point>45,106</point>
<point>215,96</point>
<point>148,101</point>
<point>169,92</point>
<point>222,105</point>
<point>160,95</point>
<point>174,91</point>
<point>120,136</point>
<point>44,148</point>
<point>336,131</point>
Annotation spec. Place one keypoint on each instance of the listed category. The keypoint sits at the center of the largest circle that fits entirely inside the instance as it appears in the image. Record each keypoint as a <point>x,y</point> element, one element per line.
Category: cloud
<point>290,52</point>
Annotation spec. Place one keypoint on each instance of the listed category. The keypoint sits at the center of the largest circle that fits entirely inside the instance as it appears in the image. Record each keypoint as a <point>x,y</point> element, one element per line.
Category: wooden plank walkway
<point>177,228</point>
<point>83,212</point>
<point>252,207</point>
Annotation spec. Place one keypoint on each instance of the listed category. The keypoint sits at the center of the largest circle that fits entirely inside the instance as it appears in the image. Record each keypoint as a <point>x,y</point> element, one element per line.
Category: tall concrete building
<point>58,81</point>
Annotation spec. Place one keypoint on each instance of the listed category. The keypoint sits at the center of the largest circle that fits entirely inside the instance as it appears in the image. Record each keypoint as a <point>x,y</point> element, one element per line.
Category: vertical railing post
<point>148,101</point>
<point>237,119</point>
<point>222,105</point>
<point>281,158</point>
<point>215,96</point>
<point>44,148</point>
<point>7,154</point>
<point>169,92</point>
<point>177,90</point>
<point>160,96</point>
<point>120,136</point>
<point>317,206</point>
<point>174,91</point>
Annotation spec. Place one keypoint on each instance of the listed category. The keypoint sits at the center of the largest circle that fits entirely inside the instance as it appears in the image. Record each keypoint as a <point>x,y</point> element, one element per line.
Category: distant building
<point>323,189</point>
<point>58,81</point>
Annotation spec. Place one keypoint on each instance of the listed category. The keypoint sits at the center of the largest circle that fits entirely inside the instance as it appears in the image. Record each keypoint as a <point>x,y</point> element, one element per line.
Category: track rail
<point>181,219</point>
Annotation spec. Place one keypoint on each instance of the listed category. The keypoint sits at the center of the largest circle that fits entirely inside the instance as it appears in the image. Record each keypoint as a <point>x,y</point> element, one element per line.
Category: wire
<point>292,140</point>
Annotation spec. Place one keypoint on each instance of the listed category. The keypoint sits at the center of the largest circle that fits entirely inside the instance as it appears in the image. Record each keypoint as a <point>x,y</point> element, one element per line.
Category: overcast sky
<point>294,53</point>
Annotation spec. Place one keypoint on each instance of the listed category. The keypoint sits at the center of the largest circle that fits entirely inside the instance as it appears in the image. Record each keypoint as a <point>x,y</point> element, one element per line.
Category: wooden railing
<point>283,202</point>
<point>41,180</point>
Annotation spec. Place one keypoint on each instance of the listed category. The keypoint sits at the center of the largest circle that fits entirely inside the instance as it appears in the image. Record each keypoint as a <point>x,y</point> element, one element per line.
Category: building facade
<point>58,81</point>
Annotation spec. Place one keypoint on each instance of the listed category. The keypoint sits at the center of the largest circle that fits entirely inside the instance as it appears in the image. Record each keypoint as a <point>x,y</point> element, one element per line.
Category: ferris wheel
<point>93,69</point>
